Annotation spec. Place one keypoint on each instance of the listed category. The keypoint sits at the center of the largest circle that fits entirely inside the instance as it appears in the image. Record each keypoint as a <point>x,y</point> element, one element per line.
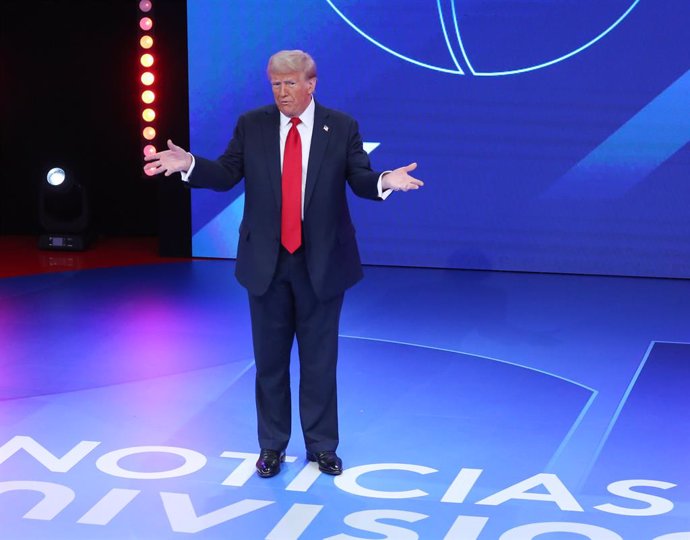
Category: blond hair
<point>291,61</point>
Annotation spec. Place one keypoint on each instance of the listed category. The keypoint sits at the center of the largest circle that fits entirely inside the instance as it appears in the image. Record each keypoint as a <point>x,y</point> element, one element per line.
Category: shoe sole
<point>267,475</point>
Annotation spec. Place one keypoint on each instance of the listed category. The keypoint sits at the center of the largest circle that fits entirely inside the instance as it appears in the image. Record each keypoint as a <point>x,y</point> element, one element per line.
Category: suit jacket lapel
<point>271,140</point>
<point>319,142</point>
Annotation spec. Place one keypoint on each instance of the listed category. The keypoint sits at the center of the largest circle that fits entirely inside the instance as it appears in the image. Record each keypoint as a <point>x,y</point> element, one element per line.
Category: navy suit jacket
<point>336,158</point>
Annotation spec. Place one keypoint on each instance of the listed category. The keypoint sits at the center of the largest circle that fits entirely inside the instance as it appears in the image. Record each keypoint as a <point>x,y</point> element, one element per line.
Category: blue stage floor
<point>474,406</point>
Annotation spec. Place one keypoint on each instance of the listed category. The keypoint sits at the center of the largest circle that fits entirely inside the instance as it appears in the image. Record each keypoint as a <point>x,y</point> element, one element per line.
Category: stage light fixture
<point>147,78</point>
<point>146,24</point>
<point>148,97</point>
<point>63,212</point>
<point>55,176</point>
<point>146,42</point>
<point>146,60</point>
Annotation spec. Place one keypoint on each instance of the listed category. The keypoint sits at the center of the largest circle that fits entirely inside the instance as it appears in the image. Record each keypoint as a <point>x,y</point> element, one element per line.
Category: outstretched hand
<point>175,159</point>
<point>400,180</point>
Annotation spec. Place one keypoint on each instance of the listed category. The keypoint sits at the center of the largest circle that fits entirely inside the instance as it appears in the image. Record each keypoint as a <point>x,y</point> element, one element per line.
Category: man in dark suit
<point>297,251</point>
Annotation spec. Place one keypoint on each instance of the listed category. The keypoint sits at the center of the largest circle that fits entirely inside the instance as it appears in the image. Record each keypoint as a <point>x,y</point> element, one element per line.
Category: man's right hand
<point>170,161</point>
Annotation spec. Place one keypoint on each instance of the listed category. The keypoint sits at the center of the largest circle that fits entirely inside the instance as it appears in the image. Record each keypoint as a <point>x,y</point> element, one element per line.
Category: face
<point>292,92</point>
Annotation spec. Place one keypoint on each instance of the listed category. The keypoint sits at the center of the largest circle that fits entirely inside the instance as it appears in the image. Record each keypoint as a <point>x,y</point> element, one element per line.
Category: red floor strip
<point>20,256</point>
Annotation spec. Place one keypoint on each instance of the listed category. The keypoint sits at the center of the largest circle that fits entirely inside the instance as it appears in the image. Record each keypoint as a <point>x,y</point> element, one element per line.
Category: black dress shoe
<point>328,461</point>
<point>269,462</point>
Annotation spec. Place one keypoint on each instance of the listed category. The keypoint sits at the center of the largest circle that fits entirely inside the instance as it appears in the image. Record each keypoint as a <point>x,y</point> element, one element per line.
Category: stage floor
<point>474,406</point>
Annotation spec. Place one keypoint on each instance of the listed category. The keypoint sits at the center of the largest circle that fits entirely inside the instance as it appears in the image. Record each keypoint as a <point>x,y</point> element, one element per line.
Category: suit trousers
<point>289,309</point>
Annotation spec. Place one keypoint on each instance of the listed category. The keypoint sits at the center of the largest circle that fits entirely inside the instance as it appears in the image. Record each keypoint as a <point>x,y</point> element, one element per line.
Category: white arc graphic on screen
<point>450,27</point>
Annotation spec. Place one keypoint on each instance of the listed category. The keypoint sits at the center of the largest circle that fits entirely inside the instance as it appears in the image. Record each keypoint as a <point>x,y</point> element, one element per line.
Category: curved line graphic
<point>445,36</point>
<point>391,51</point>
<point>571,431</point>
<point>474,355</point>
<point>457,34</point>
<point>576,423</point>
<point>464,53</point>
<point>565,56</point>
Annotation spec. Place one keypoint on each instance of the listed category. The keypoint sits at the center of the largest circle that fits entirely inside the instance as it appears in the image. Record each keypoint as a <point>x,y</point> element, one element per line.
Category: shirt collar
<point>307,117</point>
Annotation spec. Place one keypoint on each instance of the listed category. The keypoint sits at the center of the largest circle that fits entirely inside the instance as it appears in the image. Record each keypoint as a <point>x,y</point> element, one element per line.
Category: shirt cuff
<point>383,195</point>
<point>185,175</point>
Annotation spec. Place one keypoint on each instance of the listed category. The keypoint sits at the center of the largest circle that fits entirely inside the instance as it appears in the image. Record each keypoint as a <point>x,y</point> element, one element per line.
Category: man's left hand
<point>400,180</point>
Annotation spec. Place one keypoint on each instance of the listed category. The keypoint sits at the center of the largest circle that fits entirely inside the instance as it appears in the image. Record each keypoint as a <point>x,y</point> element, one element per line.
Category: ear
<point>312,85</point>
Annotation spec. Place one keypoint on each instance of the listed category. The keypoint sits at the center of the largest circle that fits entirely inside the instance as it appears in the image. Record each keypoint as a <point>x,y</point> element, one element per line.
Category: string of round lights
<point>147,78</point>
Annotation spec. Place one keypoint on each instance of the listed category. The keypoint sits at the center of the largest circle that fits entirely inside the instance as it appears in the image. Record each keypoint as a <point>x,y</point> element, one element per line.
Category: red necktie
<point>291,215</point>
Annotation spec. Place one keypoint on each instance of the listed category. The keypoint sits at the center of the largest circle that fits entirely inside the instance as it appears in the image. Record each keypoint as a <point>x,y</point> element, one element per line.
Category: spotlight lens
<point>55,176</point>
<point>149,133</point>
<point>148,115</point>
<point>149,150</point>
<point>146,23</point>
<point>145,5</point>
<point>146,42</point>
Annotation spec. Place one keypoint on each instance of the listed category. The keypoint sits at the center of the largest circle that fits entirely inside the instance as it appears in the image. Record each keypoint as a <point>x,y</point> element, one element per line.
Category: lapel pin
<point>325,127</point>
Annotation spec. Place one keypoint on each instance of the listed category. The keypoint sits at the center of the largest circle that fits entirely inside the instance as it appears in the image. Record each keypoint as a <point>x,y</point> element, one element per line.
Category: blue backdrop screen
<point>552,134</point>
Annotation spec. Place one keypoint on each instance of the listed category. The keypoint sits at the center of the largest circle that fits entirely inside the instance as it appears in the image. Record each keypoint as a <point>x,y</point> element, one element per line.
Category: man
<point>297,252</point>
